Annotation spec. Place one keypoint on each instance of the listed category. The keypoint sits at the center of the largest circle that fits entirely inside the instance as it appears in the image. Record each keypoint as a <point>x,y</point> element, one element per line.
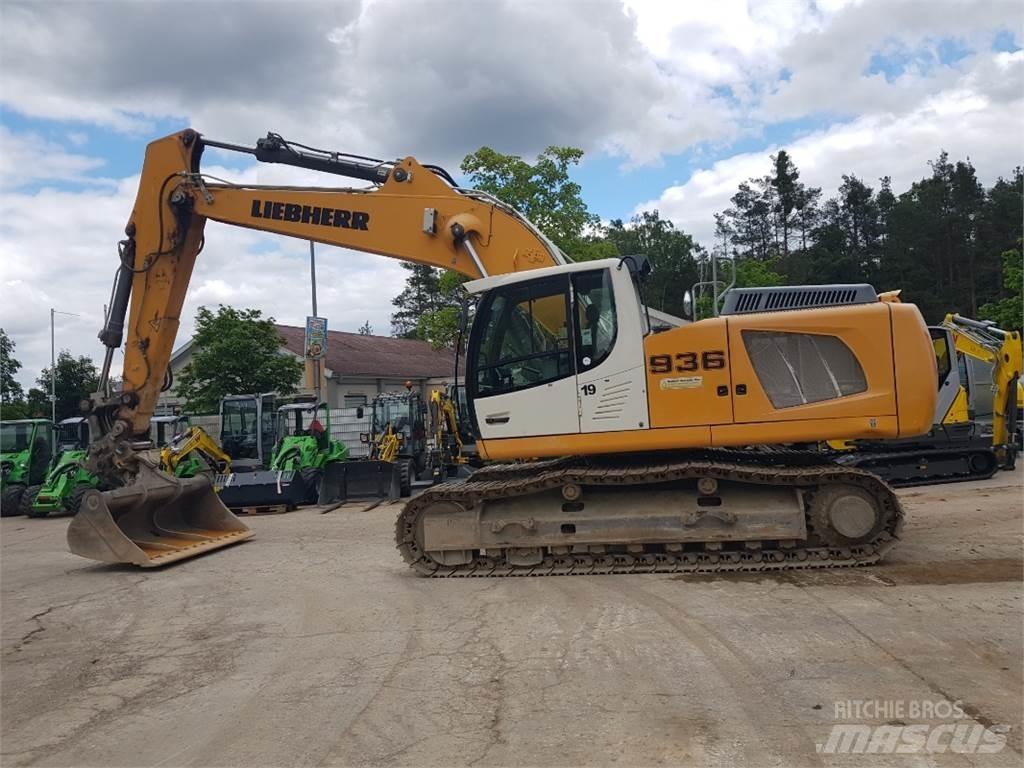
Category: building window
<point>800,368</point>
<point>355,400</point>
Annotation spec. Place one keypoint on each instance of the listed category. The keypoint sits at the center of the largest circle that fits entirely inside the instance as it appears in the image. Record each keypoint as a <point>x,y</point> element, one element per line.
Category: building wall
<point>335,391</point>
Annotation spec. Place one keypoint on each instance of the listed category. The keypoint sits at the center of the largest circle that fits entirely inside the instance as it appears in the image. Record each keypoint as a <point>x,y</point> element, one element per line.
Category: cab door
<point>522,359</point>
<point>609,357</point>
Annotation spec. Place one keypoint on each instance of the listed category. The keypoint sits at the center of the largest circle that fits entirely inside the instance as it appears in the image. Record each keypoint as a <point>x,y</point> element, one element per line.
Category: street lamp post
<point>53,364</point>
<point>312,280</point>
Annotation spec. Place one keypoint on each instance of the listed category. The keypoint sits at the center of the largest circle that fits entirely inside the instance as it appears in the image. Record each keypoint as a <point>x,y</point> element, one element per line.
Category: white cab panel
<point>613,394</point>
<point>548,409</point>
<point>614,402</point>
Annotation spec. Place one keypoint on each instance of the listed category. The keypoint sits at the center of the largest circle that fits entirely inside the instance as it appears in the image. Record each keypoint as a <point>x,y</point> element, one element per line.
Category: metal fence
<point>346,426</point>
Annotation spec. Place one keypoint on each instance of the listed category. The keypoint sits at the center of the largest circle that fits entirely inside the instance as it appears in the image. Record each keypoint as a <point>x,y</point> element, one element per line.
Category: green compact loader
<point>67,480</point>
<point>26,447</point>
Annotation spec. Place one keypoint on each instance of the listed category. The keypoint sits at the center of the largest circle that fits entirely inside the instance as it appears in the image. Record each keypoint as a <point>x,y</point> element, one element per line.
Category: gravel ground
<point>312,644</point>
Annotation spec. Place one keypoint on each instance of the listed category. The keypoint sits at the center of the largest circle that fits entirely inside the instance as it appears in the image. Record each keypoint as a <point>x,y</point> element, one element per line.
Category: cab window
<point>940,342</point>
<point>524,337</point>
<point>595,317</point>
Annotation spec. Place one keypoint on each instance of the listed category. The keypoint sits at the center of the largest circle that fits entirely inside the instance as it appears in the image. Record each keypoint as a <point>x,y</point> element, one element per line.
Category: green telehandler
<point>267,471</point>
<point>304,444</point>
<point>26,446</point>
<point>67,479</point>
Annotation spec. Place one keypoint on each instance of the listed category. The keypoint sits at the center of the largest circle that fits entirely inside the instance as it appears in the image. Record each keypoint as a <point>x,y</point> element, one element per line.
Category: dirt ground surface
<point>313,644</point>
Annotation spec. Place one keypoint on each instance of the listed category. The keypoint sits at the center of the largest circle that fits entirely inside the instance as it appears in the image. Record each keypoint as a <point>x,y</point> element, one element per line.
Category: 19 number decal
<point>683,362</point>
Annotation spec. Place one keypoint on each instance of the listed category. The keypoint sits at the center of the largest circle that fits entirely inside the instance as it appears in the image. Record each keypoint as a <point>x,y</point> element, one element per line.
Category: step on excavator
<point>618,449</point>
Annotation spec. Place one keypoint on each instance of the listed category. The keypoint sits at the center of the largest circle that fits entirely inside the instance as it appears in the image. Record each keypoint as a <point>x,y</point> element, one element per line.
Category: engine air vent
<point>739,301</point>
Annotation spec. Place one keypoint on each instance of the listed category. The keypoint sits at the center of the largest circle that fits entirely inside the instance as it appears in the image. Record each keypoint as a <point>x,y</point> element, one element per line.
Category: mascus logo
<point>310,214</point>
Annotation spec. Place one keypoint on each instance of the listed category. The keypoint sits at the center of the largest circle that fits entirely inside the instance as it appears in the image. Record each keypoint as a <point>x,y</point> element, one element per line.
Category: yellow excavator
<point>193,452</point>
<point>619,448</point>
<point>444,432</point>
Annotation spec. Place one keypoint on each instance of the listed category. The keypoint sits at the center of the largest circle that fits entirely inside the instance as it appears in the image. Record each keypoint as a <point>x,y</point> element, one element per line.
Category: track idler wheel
<point>843,514</point>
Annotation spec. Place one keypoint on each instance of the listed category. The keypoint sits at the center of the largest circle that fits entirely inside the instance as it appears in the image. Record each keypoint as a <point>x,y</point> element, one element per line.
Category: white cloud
<point>26,158</point>
<point>58,249</point>
<point>964,122</point>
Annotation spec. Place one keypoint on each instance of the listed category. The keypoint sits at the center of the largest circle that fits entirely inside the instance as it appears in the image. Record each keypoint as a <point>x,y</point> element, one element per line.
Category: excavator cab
<point>165,428</point>
<point>247,431</point>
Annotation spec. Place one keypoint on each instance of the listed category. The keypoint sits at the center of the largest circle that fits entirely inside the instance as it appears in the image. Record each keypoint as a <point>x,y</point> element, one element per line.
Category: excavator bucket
<point>263,488</point>
<point>155,521</point>
<point>344,480</point>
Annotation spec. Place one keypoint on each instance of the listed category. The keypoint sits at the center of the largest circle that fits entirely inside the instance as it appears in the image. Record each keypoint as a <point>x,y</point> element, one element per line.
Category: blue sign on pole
<point>316,338</point>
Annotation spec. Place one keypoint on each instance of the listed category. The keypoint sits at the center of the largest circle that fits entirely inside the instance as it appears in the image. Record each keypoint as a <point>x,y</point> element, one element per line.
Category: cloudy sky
<point>674,103</point>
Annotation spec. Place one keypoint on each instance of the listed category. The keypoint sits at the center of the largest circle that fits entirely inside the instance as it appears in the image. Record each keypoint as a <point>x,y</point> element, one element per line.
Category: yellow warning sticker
<point>683,382</point>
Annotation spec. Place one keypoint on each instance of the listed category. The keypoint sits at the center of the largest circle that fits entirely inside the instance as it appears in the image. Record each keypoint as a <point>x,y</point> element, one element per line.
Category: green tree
<point>543,191</point>
<point>420,296</point>
<point>752,274</point>
<point>235,351</point>
<point>12,396</point>
<point>77,378</point>
<point>1008,313</point>
<point>789,194</point>
<point>672,254</point>
<point>441,326</point>
<point>366,329</point>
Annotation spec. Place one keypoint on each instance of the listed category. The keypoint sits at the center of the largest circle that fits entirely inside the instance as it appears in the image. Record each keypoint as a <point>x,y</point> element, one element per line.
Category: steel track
<point>756,468</point>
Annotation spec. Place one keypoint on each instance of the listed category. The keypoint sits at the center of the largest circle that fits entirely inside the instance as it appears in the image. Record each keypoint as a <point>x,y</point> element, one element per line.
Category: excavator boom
<point>410,211</point>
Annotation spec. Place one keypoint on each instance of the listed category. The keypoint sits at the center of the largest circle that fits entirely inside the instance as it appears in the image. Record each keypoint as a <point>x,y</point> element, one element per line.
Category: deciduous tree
<point>235,351</point>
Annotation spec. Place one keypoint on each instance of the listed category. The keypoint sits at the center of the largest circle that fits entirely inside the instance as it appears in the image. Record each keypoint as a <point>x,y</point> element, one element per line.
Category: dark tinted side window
<point>595,317</point>
<point>800,368</point>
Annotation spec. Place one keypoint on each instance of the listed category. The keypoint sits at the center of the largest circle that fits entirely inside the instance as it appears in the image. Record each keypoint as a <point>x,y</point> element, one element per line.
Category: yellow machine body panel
<point>688,375</point>
<point>710,384</point>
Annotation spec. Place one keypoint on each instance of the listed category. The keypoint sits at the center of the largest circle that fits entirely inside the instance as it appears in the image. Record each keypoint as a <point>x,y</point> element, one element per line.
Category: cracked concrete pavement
<point>312,644</point>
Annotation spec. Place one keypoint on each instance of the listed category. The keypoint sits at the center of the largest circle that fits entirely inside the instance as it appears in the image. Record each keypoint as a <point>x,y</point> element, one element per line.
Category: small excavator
<point>619,448</point>
<point>445,449</point>
<point>194,452</point>
<point>411,445</point>
<point>396,452</point>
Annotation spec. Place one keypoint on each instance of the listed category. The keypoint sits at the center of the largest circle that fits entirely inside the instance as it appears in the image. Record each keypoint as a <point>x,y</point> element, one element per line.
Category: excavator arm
<point>410,212</point>
<point>405,210</point>
<point>982,340</point>
<point>198,441</point>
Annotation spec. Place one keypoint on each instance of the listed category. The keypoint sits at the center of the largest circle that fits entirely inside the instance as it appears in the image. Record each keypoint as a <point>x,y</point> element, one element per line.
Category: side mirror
<point>464,316</point>
<point>688,306</point>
